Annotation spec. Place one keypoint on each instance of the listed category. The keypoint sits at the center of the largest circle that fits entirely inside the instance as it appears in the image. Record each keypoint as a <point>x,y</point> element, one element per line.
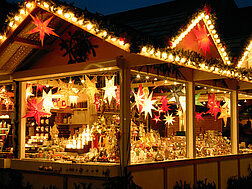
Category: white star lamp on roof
<point>148,105</point>
<point>109,89</point>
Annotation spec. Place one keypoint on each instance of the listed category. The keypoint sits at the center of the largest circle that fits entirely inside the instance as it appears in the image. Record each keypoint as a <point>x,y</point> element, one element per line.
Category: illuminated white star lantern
<point>169,119</point>
<point>47,103</point>
<point>29,91</point>
<point>139,99</point>
<point>148,105</point>
<point>91,89</point>
<point>182,101</point>
<point>109,89</point>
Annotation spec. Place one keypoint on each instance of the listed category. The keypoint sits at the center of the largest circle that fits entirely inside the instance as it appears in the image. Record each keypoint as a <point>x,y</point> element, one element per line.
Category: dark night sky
<point>113,6</point>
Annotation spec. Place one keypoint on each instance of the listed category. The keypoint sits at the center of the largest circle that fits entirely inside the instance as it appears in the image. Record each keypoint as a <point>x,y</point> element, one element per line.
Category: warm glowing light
<point>22,11</point>
<point>113,39</point>
<point>59,11</point>
<point>74,19</point>
<point>138,76</point>
<point>67,15</point>
<point>147,77</point>
<point>28,5</point>
<point>164,55</point>
<point>46,5</point>
<point>89,26</point>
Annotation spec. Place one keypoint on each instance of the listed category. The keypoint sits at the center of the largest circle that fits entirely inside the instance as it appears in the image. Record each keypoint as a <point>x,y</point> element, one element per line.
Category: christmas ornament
<point>198,116</point>
<point>139,98</point>
<point>42,28</point>
<point>169,119</point>
<point>225,114</point>
<point>91,89</point>
<point>160,110</point>
<point>40,88</point>
<point>213,105</point>
<point>109,89</point>
<point>148,105</point>
<point>176,92</point>
<point>36,110</point>
<point>157,118</point>
<point>204,42</point>
<point>29,91</point>
<point>47,103</point>
<point>164,101</point>
<point>197,102</point>
<point>97,102</point>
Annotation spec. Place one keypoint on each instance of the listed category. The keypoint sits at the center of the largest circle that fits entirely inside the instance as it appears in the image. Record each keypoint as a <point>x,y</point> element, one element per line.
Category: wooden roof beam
<point>27,42</point>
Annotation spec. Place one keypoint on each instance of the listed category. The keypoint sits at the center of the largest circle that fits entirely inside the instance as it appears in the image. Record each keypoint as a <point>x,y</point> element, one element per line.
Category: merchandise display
<point>158,130</point>
<point>73,119</point>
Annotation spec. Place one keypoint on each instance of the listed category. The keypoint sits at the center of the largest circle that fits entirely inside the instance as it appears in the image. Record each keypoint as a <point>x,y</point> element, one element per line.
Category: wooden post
<point>124,115</point>
<point>190,126</point>
<point>22,121</point>
<point>234,122</point>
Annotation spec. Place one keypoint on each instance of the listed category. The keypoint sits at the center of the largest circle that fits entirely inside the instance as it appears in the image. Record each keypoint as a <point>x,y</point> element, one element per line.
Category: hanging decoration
<point>42,28</point>
<point>139,98</point>
<point>157,118</point>
<point>47,103</point>
<point>148,105</point>
<point>90,88</point>
<point>118,95</point>
<point>40,88</point>
<point>29,91</point>
<point>197,102</point>
<point>225,114</point>
<point>36,110</point>
<point>7,102</point>
<point>204,42</point>
<point>176,92</point>
<point>169,119</point>
<point>182,101</point>
<point>198,116</point>
<point>109,89</point>
<point>146,91</point>
<point>164,101</point>
<point>213,105</point>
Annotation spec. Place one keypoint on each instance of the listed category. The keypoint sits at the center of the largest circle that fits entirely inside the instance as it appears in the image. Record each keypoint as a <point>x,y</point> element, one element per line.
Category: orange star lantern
<point>42,28</point>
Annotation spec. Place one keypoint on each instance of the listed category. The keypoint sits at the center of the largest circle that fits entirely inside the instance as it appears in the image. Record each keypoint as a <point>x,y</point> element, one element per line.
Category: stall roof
<point>16,46</point>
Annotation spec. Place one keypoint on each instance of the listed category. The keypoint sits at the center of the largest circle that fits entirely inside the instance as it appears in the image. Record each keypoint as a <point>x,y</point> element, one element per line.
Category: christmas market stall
<point>92,101</point>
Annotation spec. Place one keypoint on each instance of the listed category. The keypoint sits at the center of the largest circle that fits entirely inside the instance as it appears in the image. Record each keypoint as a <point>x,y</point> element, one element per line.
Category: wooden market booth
<point>108,93</point>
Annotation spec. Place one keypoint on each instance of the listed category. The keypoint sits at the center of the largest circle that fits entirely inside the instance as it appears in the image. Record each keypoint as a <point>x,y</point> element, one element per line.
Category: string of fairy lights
<point>64,12</point>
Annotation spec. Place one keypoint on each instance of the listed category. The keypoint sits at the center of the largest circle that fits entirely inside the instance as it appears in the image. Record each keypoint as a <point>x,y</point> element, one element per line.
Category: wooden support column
<point>234,121</point>
<point>190,126</point>
<point>124,115</point>
<point>22,121</point>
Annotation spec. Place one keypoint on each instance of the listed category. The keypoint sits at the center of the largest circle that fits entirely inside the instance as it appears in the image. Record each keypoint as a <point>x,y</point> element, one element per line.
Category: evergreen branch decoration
<point>78,47</point>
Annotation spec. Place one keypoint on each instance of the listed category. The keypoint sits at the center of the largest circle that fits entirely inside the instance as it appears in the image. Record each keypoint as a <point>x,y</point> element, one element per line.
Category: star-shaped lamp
<point>47,103</point>
<point>91,89</point>
<point>197,102</point>
<point>204,42</point>
<point>169,119</point>
<point>139,98</point>
<point>157,118</point>
<point>109,89</point>
<point>148,105</point>
<point>198,116</point>
<point>36,110</point>
<point>225,114</point>
<point>42,28</point>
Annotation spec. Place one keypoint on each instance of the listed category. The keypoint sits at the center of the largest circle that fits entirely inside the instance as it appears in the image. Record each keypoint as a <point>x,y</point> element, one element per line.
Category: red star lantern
<point>156,119</point>
<point>204,42</point>
<point>198,116</point>
<point>40,88</point>
<point>214,106</point>
<point>165,106</point>
<point>42,28</point>
<point>117,92</point>
<point>97,102</point>
<point>36,110</point>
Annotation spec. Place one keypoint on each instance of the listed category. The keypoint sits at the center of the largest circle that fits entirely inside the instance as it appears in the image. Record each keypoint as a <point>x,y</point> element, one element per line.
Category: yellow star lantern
<point>169,119</point>
<point>148,105</point>
<point>225,114</point>
<point>91,89</point>
<point>42,28</point>
<point>109,89</point>
<point>47,103</point>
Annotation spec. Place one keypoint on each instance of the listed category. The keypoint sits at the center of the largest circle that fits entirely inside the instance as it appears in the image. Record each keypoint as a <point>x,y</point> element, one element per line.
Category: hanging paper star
<point>197,102</point>
<point>198,116</point>
<point>29,91</point>
<point>91,89</point>
<point>176,92</point>
<point>225,114</point>
<point>156,119</point>
<point>139,98</point>
<point>42,28</point>
<point>148,105</point>
<point>7,102</point>
<point>40,88</point>
<point>169,119</point>
<point>109,89</point>
<point>182,102</point>
<point>47,103</point>
<point>146,91</point>
<point>164,101</point>
<point>160,110</point>
<point>97,102</point>
<point>204,42</point>
<point>36,110</point>
<point>118,95</point>
<point>213,105</point>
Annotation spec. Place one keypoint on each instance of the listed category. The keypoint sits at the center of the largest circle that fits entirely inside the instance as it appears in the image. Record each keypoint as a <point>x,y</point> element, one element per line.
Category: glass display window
<point>158,128</point>
<point>212,121</point>
<point>6,120</point>
<point>244,122</point>
<point>73,119</point>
